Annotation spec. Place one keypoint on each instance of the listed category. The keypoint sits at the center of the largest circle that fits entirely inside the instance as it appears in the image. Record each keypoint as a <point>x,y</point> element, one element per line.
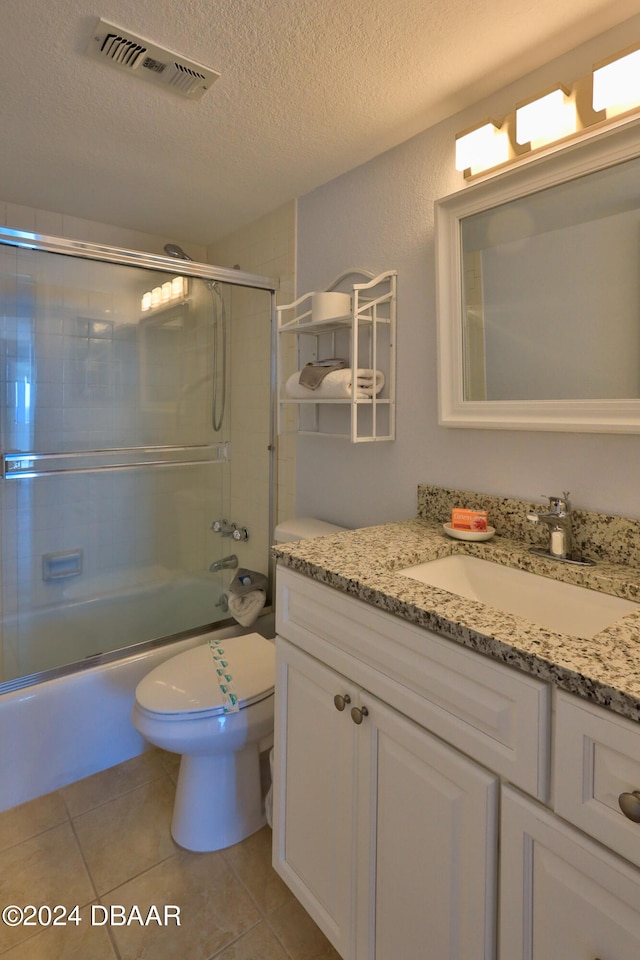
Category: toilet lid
<point>188,683</point>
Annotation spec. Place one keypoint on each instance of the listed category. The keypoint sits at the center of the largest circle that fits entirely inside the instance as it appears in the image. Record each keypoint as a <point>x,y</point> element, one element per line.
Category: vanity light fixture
<point>616,83</point>
<point>481,147</point>
<point>545,118</point>
<point>558,114</point>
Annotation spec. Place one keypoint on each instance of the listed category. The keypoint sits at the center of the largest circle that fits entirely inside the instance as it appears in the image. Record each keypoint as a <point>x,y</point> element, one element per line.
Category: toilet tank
<point>302,527</point>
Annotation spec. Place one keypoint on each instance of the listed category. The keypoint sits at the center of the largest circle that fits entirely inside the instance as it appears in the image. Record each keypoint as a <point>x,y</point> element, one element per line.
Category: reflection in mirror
<point>538,271</point>
<point>551,292</point>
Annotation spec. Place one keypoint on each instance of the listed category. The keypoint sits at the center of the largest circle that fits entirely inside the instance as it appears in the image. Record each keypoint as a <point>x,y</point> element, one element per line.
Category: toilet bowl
<point>182,707</point>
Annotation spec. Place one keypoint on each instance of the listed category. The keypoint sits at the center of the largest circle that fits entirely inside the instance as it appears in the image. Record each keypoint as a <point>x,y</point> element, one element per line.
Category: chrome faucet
<point>227,563</point>
<point>230,530</point>
<point>559,521</point>
<point>223,527</point>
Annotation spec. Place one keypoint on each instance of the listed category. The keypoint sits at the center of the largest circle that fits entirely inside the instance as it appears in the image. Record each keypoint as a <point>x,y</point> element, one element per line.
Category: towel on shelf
<point>337,385</point>
<point>247,596</point>
<point>314,372</point>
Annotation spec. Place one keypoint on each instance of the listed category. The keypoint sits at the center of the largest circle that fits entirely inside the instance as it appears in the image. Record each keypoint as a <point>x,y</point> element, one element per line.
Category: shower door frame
<point>163,264</point>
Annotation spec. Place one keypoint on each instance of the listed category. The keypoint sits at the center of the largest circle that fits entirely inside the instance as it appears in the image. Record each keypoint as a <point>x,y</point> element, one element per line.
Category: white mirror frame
<point>615,144</point>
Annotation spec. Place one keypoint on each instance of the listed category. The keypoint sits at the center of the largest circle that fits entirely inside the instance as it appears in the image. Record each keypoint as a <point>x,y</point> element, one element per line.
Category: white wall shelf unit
<point>365,338</point>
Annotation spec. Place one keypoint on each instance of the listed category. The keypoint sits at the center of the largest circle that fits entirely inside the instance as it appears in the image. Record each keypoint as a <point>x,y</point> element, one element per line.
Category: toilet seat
<point>186,686</point>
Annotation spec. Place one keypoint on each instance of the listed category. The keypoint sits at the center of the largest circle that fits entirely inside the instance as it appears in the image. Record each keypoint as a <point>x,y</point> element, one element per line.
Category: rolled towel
<point>246,608</point>
<point>337,385</point>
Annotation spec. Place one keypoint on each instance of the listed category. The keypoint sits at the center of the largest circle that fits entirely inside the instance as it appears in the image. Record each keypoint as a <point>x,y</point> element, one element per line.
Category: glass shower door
<point>115,456</point>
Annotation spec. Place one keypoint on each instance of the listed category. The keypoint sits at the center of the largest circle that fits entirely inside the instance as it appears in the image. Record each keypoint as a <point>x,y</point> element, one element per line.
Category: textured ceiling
<point>307,90</point>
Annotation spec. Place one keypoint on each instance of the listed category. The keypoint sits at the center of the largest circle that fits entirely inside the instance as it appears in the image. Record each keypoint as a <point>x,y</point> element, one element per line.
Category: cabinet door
<point>563,897</point>
<point>313,792</point>
<point>428,841</point>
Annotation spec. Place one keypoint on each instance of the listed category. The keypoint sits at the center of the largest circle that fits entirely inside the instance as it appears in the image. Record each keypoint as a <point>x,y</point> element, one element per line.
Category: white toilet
<point>180,707</point>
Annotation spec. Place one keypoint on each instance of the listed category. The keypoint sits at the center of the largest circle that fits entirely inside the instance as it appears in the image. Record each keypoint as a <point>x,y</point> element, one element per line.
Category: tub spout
<point>227,563</point>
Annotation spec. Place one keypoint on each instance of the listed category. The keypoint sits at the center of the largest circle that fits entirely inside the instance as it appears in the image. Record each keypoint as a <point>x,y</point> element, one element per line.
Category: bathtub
<point>106,613</point>
<point>61,730</point>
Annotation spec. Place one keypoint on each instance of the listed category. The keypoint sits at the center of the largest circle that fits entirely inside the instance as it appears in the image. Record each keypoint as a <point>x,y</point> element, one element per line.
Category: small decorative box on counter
<point>468,519</point>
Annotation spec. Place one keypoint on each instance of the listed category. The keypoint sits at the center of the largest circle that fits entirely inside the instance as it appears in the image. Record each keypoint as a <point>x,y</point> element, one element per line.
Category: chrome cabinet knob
<point>358,714</point>
<point>340,701</point>
<point>630,805</point>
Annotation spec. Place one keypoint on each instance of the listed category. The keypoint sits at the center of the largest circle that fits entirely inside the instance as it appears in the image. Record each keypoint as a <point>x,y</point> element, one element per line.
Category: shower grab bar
<point>17,466</point>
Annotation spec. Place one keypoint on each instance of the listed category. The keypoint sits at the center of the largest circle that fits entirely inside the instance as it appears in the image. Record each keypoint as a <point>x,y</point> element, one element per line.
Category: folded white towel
<point>245,609</point>
<point>337,385</point>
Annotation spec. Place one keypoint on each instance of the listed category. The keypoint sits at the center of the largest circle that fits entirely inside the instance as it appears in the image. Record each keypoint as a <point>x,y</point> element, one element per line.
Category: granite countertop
<point>604,669</point>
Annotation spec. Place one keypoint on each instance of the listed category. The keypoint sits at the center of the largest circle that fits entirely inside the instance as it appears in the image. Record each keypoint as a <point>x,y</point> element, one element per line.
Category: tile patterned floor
<point>104,843</point>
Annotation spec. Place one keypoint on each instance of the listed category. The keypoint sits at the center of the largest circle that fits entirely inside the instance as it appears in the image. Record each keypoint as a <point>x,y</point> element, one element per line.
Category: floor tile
<point>47,869</point>
<point>258,944</point>
<point>85,795</point>
<point>251,861</point>
<point>31,818</point>
<point>170,762</point>
<point>302,939</point>
<point>80,941</point>
<point>110,835</point>
<point>215,909</point>
<point>127,835</point>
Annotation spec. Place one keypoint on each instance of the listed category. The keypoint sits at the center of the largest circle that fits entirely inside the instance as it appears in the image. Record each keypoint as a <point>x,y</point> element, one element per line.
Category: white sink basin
<point>561,607</point>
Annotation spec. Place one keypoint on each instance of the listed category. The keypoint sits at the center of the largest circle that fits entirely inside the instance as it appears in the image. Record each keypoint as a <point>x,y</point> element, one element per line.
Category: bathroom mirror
<point>539,292</point>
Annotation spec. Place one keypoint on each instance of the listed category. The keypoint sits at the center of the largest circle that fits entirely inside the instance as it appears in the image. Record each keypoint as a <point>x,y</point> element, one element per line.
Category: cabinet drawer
<point>497,715</point>
<point>597,759</point>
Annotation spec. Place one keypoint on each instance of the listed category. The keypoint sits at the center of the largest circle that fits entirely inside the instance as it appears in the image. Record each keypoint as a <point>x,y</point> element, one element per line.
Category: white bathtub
<point>59,731</point>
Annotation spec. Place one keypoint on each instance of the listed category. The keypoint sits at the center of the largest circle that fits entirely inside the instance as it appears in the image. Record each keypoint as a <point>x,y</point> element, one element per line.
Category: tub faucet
<point>227,563</point>
<point>558,519</point>
<point>223,527</point>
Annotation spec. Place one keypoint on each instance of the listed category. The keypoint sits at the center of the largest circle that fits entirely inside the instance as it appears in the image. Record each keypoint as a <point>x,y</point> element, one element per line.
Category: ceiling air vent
<point>147,60</point>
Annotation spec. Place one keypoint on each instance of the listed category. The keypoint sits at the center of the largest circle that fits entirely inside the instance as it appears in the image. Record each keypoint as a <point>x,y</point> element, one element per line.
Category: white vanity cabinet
<point>385,830</point>
<point>386,835</point>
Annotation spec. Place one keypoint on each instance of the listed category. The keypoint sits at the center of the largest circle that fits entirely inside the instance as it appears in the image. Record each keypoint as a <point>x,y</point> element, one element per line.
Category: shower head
<point>173,250</point>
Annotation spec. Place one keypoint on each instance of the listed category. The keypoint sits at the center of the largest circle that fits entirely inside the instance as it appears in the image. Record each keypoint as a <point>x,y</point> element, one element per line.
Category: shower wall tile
<point>18,217</point>
<point>21,217</point>
<point>48,223</point>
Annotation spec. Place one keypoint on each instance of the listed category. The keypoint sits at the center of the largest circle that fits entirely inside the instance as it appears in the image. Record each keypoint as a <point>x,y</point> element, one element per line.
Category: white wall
<point>380,216</point>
